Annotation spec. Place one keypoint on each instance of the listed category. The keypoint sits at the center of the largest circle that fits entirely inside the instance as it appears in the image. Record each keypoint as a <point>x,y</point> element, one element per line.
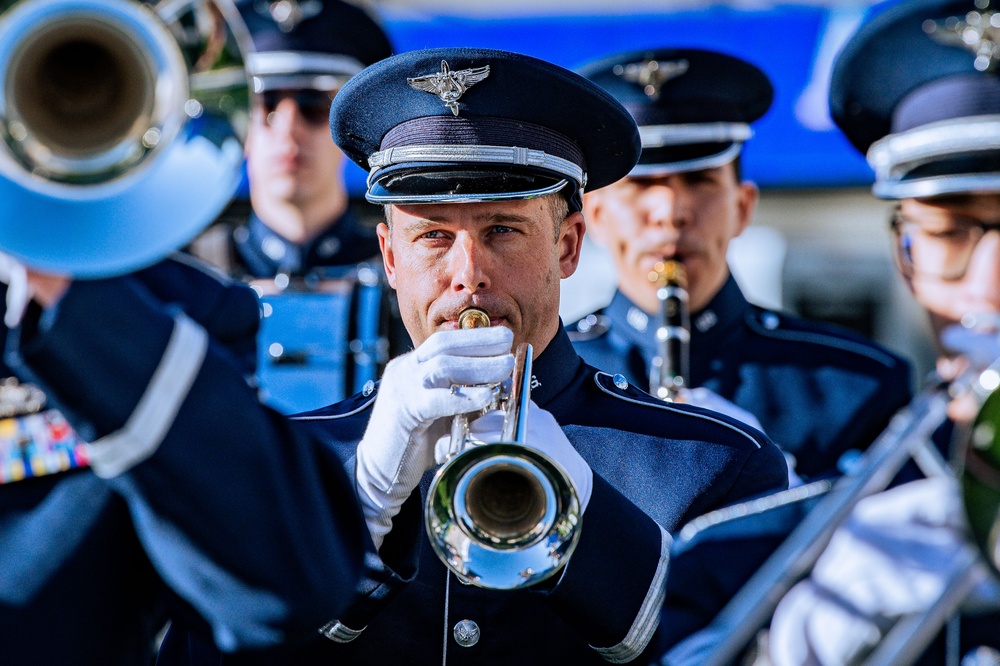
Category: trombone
<point>907,436</point>
<point>502,516</point>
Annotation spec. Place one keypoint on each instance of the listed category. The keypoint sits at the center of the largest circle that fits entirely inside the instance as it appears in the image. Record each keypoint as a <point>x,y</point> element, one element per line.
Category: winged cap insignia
<point>977,31</point>
<point>449,84</point>
<point>652,74</point>
<point>289,13</point>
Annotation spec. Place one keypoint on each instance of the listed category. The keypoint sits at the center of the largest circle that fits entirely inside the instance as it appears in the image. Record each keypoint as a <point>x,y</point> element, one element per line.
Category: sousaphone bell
<point>120,126</point>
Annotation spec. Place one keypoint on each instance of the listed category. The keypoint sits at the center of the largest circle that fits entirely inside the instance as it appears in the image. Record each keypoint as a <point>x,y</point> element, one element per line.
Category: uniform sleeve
<point>613,587</point>
<point>243,514</point>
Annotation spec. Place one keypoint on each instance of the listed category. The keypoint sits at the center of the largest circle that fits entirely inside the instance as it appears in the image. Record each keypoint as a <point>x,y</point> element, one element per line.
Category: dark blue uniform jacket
<point>655,465</point>
<point>816,390</point>
<point>256,543</point>
<point>245,247</point>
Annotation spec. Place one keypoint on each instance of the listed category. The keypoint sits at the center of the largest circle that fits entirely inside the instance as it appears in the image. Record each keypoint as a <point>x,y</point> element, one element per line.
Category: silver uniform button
<point>770,321</point>
<point>620,381</point>
<point>466,633</point>
<point>368,388</point>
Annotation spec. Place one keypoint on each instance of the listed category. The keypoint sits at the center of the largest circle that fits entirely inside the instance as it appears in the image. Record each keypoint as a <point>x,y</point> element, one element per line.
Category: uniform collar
<point>267,253</point>
<point>726,309</point>
<point>554,368</point>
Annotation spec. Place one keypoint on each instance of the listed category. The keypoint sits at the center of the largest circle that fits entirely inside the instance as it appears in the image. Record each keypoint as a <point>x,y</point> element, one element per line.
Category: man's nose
<point>469,265</point>
<point>665,206</point>
<point>983,274</point>
<point>286,116</point>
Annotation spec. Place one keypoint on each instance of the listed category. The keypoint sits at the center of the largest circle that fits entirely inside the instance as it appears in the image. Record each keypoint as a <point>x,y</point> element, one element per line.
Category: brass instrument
<point>669,371</point>
<point>120,124</point>
<point>503,515</point>
<point>908,436</point>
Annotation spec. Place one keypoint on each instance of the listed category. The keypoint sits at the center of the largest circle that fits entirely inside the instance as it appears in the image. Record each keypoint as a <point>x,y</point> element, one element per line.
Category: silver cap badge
<point>448,84</point>
<point>652,74</point>
<point>977,31</point>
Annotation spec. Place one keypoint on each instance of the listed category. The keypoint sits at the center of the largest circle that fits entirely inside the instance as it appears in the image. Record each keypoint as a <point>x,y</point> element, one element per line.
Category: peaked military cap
<point>915,89</point>
<point>693,107</point>
<point>466,124</point>
<point>310,44</point>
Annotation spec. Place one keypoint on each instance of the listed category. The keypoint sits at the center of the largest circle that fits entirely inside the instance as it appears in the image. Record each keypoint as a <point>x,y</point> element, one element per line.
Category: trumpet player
<point>480,158</point>
<point>931,134</point>
<point>686,200</point>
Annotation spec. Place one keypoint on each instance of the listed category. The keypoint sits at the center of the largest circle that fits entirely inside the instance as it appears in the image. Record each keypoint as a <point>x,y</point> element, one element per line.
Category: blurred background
<point>819,245</point>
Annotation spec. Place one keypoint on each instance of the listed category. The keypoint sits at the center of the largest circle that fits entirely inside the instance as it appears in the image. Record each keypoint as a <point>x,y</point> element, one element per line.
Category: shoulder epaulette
<point>779,326</point>
<point>619,387</point>
<point>590,327</point>
<point>355,404</point>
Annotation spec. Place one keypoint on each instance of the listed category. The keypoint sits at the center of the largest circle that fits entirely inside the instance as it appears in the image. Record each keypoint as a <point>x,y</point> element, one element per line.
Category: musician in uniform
<point>816,390</point>
<point>299,239</point>
<point>481,158</point>
<point>140,510</point>
<point>931,135</point>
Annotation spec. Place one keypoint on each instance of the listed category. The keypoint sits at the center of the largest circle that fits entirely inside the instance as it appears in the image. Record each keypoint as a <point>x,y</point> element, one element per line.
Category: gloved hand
<point>543,434</point>
<point>703,397</point>
<point>414,399</point>
<point>892,557</point>
<point>15,276</point>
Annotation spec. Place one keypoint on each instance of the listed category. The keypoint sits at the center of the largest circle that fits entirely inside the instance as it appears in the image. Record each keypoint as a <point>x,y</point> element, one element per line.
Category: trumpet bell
<point>120,126</point>
<point>502,516</point>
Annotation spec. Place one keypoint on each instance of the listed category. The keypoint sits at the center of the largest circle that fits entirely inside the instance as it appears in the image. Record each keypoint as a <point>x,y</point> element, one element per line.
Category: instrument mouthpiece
<point>473,318</point>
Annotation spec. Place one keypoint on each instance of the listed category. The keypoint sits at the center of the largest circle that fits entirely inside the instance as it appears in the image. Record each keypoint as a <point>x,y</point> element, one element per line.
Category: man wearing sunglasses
<point>298,239</point>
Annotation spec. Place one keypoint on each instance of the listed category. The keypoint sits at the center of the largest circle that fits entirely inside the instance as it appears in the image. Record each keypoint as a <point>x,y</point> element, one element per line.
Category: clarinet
<point>669,371</point>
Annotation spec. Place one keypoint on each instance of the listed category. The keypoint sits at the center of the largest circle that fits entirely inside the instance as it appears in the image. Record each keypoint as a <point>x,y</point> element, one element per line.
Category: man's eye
<point>951,233</point>
<point>501,229</point>
<point>432,235</point>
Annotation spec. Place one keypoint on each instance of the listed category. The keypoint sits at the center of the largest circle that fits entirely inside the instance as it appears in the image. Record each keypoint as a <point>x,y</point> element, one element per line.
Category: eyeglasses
<point>314,105</point>
<point>939,247</point>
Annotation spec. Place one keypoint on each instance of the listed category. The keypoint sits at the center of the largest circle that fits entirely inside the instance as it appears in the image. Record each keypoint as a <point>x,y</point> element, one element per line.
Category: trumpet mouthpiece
<point>473,318</point>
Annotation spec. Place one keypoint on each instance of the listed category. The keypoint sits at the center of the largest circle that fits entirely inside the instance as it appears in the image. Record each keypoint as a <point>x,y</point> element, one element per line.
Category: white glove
<point>414,398</point>
<point>543,434</point>
<point>980,346</point>
<point>15,276</point>
<point>892,557</point>
<point>703,397</point>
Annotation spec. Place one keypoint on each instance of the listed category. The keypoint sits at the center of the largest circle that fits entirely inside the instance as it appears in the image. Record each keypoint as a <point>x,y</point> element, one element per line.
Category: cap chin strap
<point>897,154</point>
<point>697,164</point>
<point>661,136</point>
<point>935,186</point>
<point>463,198</point>
<point>475,154</point>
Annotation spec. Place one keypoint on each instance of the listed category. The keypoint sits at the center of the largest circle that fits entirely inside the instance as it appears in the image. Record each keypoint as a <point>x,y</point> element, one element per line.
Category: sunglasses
<point>314,105</point>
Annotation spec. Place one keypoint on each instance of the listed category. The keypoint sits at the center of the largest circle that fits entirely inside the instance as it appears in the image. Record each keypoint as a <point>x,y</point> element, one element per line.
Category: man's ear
<point>570,241</point>
<point>593,213</point>
<point>748,195</point>
<point>388,258</point>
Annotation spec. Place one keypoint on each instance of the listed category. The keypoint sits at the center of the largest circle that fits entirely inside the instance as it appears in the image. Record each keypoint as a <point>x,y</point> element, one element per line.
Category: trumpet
<point>669,369</point>
<point>503,515</point>
<point>120,128</point>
